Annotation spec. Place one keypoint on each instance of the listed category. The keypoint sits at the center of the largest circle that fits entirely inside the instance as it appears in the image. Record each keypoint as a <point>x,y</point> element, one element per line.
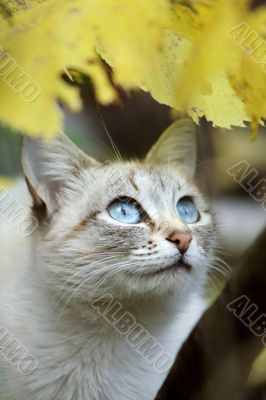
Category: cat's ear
<point>177,145</point>
<point>52,168</point>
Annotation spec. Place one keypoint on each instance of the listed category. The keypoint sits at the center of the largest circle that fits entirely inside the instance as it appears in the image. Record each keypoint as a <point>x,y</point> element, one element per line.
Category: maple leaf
<point>248,74</point>
<point>43,40</point>
<point>179,51</point>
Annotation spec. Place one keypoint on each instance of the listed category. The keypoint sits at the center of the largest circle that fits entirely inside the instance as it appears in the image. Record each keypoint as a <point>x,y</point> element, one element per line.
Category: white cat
<point>103,293</point>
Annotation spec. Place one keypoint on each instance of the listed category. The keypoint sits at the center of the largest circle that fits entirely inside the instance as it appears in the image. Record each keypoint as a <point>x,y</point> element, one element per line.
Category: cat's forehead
<point>136,172</point>
<point>138,178</point>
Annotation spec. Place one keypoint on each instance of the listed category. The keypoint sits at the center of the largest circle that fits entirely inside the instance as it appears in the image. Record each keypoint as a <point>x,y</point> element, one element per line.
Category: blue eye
<point>126,211</point>
<point>187,211</point>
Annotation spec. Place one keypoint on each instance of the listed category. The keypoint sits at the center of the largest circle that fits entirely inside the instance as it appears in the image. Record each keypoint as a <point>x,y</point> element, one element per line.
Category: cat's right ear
<point>51,168</point>
<point>176,146</point>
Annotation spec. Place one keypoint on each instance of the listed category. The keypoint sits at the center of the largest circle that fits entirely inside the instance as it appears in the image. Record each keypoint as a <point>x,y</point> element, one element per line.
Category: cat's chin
<point>171,269</point>
<point>167,280</point>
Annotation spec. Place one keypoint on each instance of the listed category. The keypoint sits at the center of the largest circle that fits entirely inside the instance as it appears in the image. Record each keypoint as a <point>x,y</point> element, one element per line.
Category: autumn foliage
<point>203,57</point>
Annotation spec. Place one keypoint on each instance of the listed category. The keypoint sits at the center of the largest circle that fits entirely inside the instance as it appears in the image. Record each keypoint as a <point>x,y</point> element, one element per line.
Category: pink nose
<point>181,240</point>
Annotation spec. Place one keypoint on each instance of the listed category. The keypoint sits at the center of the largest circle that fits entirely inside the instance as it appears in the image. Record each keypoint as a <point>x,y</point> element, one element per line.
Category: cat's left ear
<point>51,169</point>
<point>177,145</point>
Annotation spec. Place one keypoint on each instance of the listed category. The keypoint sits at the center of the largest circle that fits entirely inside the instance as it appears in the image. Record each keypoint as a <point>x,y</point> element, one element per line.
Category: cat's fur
<point>79,251</point>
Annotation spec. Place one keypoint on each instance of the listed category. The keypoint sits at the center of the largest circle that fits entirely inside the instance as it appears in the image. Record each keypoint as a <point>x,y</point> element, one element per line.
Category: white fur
<point>90,360</point>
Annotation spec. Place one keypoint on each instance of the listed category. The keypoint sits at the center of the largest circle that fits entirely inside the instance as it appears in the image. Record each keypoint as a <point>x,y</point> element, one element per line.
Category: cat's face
<point>136,228</point>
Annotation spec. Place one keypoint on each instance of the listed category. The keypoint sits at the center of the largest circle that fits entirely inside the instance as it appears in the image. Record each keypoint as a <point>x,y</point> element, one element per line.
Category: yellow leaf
<point>129,35</point>
<point>184,20</point>
<point>180,51</point>
<point>212,47</point>
<point>41,45</point>
<point>215,99</point>
<point>248,74</point>
<point>44,40</point>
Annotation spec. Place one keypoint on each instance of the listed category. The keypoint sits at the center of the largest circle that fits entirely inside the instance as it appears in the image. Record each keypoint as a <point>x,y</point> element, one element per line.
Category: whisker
<point>89,277</point>
<point>101,121</point>
<point>82,270</point>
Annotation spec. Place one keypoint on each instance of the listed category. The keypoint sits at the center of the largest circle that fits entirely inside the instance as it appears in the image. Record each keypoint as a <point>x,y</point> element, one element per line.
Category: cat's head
<point>121,228</point>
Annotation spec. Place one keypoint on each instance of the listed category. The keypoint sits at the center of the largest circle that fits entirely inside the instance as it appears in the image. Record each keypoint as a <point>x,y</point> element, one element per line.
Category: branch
<point>215,361</point>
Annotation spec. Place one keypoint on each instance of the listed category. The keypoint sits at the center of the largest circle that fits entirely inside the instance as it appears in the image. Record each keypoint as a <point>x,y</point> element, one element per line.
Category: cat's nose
<point>180,239</point>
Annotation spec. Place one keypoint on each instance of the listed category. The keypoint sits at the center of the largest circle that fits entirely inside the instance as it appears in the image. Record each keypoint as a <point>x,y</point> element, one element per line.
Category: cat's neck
<point>112,322</point>
<point>95,341</point>
<point>105,310</point>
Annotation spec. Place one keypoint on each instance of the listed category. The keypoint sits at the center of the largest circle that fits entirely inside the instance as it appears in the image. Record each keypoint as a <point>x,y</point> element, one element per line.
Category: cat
<point>105,290</point>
